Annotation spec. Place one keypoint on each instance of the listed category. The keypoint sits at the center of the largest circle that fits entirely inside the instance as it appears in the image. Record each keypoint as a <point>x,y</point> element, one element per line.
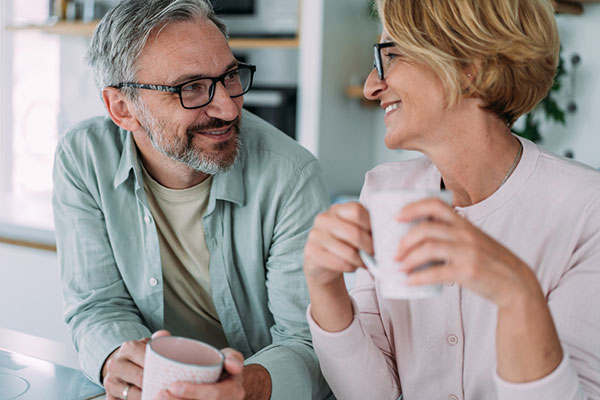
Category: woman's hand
<point>332,249</point>
<point>527,345</point>
<point>470,257</point>
<point>334,242</point>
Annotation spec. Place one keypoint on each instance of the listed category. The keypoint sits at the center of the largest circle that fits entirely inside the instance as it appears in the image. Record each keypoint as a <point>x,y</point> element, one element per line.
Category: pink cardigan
<point>548,213</point>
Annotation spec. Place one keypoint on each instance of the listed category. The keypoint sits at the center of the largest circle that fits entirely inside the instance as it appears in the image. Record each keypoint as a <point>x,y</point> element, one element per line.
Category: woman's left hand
<point>470,257</point>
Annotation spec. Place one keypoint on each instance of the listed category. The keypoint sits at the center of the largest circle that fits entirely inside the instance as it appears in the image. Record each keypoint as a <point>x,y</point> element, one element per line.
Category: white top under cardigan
<point>547,213</point>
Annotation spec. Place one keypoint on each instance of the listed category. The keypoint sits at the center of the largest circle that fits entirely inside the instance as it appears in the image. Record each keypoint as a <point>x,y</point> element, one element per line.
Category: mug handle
<point>370,263</point>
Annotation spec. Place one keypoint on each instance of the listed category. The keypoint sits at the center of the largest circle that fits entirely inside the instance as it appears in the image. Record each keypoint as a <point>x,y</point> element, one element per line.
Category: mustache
<point>214,123</point>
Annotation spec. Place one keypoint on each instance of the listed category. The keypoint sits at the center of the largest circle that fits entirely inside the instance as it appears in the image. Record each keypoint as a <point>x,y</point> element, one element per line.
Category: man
<point>183,212</point>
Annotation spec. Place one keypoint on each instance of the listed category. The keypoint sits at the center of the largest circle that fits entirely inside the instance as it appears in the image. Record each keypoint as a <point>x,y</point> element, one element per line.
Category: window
<point>46,87</point>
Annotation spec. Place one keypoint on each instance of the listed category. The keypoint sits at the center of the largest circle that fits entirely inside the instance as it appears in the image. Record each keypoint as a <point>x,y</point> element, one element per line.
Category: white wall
<point>336,50</point>
<point>579,34</point>
<point>30,293</point>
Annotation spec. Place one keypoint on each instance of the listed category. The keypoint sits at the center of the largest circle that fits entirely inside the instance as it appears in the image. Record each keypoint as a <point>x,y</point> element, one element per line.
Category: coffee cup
<point>172,359</point>
<point>387,231</point>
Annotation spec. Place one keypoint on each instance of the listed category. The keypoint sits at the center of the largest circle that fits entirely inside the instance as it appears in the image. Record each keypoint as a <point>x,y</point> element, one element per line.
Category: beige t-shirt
<point>189,309</point>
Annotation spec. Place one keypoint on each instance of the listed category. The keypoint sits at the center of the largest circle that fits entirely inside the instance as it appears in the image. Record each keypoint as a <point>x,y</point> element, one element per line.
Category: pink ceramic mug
<point>172,359</point>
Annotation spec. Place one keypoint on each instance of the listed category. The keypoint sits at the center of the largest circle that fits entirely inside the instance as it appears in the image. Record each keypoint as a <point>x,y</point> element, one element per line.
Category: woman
<point>519,317</point>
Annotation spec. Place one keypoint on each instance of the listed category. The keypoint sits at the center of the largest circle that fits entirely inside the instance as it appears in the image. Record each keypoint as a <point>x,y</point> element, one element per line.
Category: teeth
<point>391,107</point>
<point>216,132</point>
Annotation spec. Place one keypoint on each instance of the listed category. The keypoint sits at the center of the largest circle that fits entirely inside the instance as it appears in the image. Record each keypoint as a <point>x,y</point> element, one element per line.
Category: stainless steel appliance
<point>265,18</point>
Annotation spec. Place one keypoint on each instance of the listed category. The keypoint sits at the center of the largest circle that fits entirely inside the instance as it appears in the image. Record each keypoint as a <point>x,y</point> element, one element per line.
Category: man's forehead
<point>183,48</point>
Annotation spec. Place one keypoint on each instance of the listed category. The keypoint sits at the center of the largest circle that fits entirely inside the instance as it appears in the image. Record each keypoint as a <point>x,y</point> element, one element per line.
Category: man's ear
<point>120,109</point>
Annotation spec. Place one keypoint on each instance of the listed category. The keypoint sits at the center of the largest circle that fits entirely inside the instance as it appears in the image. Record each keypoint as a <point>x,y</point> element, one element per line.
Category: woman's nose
<point>374,86</point>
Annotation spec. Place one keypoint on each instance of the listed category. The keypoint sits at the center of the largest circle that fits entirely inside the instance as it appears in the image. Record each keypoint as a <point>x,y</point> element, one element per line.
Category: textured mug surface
<point>176,359</point>
<point>387,232</point>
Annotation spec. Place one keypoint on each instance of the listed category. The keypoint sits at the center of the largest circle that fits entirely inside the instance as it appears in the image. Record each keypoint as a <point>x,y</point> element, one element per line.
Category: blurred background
<point>312,58</point>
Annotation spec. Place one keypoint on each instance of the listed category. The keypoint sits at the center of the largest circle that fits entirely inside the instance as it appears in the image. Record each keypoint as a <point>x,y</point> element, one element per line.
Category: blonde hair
<point>513,44</point>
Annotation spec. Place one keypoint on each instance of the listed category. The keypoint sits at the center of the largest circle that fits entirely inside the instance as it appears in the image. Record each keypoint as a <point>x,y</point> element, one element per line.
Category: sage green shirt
<point>256,223</point>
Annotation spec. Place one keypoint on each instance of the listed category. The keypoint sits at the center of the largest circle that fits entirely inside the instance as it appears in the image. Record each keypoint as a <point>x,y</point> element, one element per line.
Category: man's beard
<point>182,149</point>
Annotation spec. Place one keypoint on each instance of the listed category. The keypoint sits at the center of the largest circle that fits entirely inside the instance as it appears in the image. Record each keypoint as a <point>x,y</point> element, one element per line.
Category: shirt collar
<point>227,186</point>
<point>128,159</point>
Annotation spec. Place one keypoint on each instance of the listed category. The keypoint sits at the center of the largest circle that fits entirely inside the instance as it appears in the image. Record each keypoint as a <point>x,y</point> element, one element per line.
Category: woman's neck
<point>475,159</point>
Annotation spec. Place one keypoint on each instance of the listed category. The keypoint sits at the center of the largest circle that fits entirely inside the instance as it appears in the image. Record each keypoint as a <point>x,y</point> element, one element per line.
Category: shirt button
<point>449,283</point>
<point>153,281</point>
<point>453,397</point>
<point>147,219</point>
<point>452,340</point>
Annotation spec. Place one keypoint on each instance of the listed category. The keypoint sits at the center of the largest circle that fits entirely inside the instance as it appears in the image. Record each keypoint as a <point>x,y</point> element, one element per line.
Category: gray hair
<point>123,32</point>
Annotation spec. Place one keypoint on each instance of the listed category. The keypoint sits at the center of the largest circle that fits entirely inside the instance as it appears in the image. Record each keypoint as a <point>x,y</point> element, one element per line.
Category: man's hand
<point>125,368</point>
<point>231,387</point>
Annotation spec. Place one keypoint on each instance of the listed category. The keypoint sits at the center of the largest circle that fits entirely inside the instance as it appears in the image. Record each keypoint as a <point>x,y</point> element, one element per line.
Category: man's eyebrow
<point>191,77</point>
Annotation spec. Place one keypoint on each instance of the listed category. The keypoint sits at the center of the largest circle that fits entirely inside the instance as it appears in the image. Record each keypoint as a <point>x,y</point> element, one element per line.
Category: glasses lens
<point>196,93</point>
<point>238,81</point>
<point>199,92</point>
<point>377,61</point>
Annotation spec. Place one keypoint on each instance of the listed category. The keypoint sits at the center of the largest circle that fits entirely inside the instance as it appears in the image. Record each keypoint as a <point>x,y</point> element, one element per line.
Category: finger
<point>432,275</point>
<point>115,389</point>
<point>340,249</point>
<point>160,333</point>
<point>133,351</point>
<point>234,361</point>
<point>427,208</point>
<point>228,389</point>
<point>353,212</point>
<point>422,232</point>
<point>124,371</point>
<point>341,229</point>
<point>430,251</point>
<point>319,258</point>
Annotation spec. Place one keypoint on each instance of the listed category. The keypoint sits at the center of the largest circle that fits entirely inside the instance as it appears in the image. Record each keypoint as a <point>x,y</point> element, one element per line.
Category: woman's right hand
<point>334,242</point>
<point>332,249</point>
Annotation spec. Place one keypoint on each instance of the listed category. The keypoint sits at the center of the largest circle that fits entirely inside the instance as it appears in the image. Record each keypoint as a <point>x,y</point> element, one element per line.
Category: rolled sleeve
<point>293,369</point>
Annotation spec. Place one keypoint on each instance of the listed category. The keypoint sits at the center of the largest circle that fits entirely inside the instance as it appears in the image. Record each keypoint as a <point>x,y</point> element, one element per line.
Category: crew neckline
<point>504,193</point>
<point>176,195</point>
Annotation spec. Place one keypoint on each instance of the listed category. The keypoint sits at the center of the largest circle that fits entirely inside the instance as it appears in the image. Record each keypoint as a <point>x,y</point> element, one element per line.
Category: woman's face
<point>412,97</point>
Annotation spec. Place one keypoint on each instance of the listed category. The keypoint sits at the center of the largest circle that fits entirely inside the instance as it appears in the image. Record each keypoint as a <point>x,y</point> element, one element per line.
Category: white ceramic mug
<point>384,206</point>
<point>172,359</point>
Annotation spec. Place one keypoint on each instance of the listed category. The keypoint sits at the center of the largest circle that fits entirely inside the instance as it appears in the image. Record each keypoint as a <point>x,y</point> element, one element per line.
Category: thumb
<point>162,332</point>
<point>234,361</point>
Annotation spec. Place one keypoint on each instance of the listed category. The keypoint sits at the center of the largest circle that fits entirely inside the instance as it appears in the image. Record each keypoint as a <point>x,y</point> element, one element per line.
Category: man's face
<point>205,139</point>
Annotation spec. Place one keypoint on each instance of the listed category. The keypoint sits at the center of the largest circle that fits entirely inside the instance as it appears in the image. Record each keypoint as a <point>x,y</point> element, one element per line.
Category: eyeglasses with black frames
<point>199,92</point>
<point>377,60</point>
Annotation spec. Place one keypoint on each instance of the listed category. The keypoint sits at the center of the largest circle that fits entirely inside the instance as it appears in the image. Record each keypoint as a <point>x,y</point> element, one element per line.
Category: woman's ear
<point>120,109</point>
<point>469,73</point>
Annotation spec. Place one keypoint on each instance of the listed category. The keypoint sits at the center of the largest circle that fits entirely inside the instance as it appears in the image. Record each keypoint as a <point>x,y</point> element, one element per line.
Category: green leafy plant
<point>548,107</point>
<point>372,10</point>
